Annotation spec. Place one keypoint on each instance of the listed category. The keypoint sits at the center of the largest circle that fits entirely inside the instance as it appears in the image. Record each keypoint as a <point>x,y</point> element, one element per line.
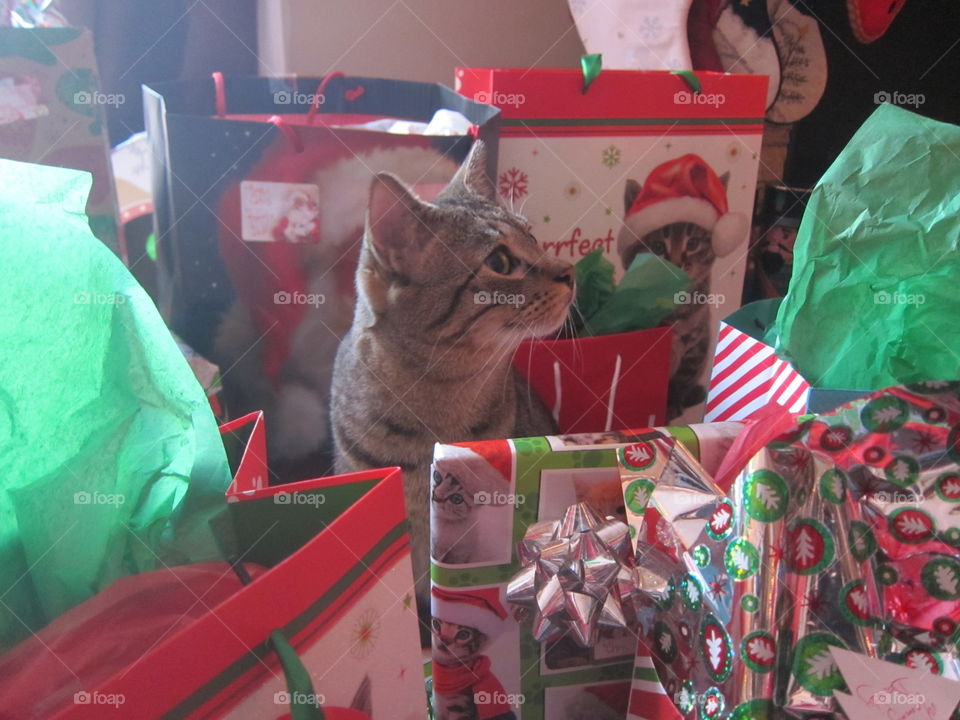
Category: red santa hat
<point>686,189</point>
<point>485,465</point>
<point>478,608</point>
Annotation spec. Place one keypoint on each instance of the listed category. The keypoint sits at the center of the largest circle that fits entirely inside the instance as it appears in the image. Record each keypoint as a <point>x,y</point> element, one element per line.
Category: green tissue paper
<point>642,299</point>
<point>873,300</point>
<point>112,458</point>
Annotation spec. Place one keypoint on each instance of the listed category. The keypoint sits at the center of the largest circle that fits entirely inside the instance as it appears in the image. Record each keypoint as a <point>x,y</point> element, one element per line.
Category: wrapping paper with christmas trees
<point>840,533</point>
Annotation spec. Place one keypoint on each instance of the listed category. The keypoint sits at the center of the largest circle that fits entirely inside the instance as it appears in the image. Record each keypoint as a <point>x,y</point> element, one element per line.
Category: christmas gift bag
<point>636,163</point>
<point>486,497</point>
<point>312,612</point>
<point>747,376</point>
<point>257,243</point>
<point>53,112</point>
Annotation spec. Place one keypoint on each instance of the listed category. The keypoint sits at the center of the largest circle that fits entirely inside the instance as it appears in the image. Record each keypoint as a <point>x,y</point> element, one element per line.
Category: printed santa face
<point>301,219</point>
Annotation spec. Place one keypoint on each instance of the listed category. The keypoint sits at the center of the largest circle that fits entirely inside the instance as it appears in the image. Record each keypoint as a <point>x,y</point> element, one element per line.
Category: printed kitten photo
<point>446,292</point>
<point>680,214</point>
<point>471,513</point>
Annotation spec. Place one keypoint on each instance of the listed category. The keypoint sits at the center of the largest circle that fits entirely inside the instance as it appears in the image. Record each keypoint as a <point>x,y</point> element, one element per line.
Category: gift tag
<point>894,691</point>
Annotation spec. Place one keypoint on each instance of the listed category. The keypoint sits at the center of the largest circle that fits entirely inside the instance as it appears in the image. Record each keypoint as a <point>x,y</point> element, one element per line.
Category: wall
<point>413,39</point>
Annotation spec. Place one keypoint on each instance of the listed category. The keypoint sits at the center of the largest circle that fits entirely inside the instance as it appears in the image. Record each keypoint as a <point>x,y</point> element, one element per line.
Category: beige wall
<point>413,39</point>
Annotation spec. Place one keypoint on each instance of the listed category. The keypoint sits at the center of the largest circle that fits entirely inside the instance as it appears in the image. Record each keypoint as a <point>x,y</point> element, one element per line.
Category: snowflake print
<point>611,156</point>
<point>650,29</point>
<point>513,184</point>
<point>365,631</point>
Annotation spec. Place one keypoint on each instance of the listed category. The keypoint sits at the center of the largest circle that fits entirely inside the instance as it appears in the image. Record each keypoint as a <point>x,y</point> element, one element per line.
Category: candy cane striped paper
<point>648,699</point>
<point>747,376</point>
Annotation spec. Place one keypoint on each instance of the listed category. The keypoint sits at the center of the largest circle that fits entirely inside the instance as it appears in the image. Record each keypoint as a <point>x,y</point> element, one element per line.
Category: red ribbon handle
<point>289,132</point>
<point>219,94</point>
<point>319,95</point>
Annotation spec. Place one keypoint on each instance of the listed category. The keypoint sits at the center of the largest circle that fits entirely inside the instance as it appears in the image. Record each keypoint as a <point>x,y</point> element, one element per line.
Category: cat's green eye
<point>500,261</point>
<point>659,248</point>
<point>456,499</point>
<point>437,479</point>
<point>436,625</point>
<point>463,635</point>
<point>693,243</point>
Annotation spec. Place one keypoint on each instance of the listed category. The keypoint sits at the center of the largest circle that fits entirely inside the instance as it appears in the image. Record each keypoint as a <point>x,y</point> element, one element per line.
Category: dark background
<point>920,53</point>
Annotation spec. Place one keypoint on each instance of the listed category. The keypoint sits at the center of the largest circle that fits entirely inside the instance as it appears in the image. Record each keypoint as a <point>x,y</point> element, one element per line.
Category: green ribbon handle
<point>590,65</point>
<point>299,685</point>
<point>693,82</point>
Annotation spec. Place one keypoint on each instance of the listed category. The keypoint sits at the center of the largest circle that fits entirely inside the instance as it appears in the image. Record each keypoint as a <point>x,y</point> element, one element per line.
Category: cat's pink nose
<point>565,276</point>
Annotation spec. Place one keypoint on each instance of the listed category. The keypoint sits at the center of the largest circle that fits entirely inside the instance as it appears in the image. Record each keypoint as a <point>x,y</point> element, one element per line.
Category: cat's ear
<point>630,192</point>
<point>472,175</point>
<point>395,229</point>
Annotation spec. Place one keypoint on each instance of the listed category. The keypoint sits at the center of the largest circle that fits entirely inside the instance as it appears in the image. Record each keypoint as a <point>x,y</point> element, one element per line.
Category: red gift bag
<point>607,382</point>
<point>321,624</point>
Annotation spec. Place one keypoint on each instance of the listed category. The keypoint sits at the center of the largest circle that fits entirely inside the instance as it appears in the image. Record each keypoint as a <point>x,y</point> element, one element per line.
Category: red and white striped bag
<point>748,376</point>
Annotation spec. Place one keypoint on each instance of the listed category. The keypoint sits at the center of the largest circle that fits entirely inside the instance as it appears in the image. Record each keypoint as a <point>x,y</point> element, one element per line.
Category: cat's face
<point>455,644</point>
<point>461,272</point>
<point>451,501</point>
<point>685,244</point>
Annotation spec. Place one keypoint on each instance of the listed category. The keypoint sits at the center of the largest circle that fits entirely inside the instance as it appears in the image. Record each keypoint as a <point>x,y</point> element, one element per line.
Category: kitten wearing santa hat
<point>463,624</point>
<point>680,214</point>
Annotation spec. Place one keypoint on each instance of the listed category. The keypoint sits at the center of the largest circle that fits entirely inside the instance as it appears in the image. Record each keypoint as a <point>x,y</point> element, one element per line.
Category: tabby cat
<point>688,246</point>
<point>457,658</point>
<point>446,291</point>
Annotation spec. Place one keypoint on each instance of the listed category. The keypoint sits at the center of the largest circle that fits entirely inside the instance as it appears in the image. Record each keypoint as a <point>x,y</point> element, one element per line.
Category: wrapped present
<point>632,163</point>
<point>485,497</point>
<point>838,536</point>
<point>769,580</point>
<point>898,451</point>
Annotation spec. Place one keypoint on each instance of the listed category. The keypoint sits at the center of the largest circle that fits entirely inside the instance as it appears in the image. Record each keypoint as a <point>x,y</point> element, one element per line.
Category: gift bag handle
<point>220,96</point>
<point>298,679</point>
<point>318,96</point>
